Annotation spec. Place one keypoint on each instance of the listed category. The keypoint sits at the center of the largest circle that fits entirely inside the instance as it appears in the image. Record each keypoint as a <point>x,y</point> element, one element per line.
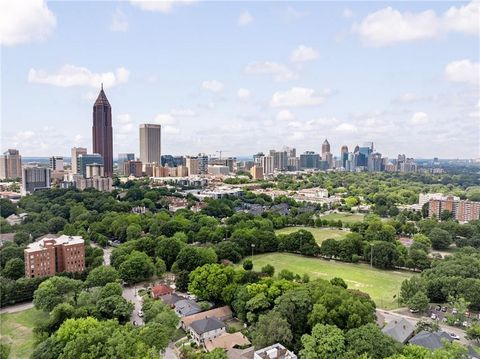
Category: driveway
<point>131,294</point>
<point>16,307</point>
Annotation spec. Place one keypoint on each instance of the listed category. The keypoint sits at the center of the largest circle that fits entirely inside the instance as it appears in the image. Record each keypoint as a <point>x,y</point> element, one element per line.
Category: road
<point>391,315</point>
<point>130,294</point>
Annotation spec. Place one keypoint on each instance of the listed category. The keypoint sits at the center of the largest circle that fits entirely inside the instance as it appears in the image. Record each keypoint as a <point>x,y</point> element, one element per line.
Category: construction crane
<point>220,152</point>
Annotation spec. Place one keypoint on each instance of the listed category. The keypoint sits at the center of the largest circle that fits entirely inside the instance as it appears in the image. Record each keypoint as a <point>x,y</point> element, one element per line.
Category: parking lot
<point>441,312</point>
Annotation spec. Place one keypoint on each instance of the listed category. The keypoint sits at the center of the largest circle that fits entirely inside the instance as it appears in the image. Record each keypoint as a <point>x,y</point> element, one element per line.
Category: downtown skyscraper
<point>102,131</point>
<point>150,143</point>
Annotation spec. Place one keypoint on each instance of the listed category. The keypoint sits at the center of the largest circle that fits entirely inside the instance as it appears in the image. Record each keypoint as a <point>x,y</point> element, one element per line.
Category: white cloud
<point>71,75</point>
<point>164,6</point>
<point>292,14</point>
<point>464,19</point>
<point>124,124</point>
<point>410,97</point>
<point>347,13</point>
<point>298,97</point>
<point>463,71</point>
<point>388,26</point>
<point>245,18</point>
<point>23,21</point>
<point>346,127</point>
<point>297,135</point>
<point>279,72</point>
<point>419,118</point>
<point>243,94</point>
<point>303,53</point>
<point>119,21</point>
<point>165,119</point>
<point>170,130</point>
<point>182,112</point>
<point>285,115</point>
<point>212,85</point>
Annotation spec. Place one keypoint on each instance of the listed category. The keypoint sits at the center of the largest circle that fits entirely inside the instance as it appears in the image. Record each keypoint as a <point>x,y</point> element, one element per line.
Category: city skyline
<point>260,76</point>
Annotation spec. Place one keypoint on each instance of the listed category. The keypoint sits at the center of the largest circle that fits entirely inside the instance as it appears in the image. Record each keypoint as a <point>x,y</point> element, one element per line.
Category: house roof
<point>171,299</point>
<point>206,325</point>
<point>220,313</point>
<point>226,341</point>
<point>161,289</point>
<point>429,340</point>
<point>247,353</point>
<point>187,307</point>
<point>399,330</point>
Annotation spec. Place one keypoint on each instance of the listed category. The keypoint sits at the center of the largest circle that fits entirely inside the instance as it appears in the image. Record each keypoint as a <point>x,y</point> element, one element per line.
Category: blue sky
<point>244,76</point>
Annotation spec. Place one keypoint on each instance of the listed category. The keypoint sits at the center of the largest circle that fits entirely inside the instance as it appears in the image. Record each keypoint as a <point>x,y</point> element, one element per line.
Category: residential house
<point>160,290</point>
<point>430,340</point>
<point>204,330</point>
<point>222,313</point>
<point>226,341</point>
<point>399,330</point>
<point>186,307</point>
<point>171,299</point>
<point>247,353</point>
<point>275,351</point>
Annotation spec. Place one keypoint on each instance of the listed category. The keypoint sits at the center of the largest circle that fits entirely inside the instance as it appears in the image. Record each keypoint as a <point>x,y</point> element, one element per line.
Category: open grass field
<point>344,217</point>
<point>16,330</point>
<point>382,285</point>
<point>320,234</point>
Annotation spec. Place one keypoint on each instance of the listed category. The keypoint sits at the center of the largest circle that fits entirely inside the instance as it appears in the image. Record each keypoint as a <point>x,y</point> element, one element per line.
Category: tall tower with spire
<point>325,147</point>
<point>102,131</point>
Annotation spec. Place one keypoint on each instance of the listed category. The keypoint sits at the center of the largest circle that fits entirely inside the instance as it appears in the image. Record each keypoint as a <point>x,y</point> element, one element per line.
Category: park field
<point>344,217</point>
<point>382,285</point>
<point>16,330</point>
<point>320,234</point>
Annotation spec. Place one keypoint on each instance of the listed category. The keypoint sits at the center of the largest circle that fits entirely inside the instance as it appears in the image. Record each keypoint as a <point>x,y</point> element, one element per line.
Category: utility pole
<point>253,246</point>
<point>371,255</point>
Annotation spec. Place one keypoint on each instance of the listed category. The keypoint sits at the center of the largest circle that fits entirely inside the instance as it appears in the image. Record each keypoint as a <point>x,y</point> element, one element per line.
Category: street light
<point>253,246</point>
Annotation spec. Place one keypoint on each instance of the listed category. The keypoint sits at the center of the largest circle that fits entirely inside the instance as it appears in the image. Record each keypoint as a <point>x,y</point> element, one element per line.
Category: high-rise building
<point>202,164</point>
<point>102,131</point>
<point>150,144</point>
<point>133,168</point>
<point>56,163</point>
<point>309,160</point>
<point>88,159</point>
<point>256,172</point>
<point>344,156</point>
<point>49,256</point>
<point>268,164</point>
<point>94,170</point>
<point>34,177</point>
<point>325,148</point>
<point>462,211</point>
<point>77,151</point>
<point>122,158</point>
<point>103,184</point>
<point>192,165</point>
<point>10,165</point>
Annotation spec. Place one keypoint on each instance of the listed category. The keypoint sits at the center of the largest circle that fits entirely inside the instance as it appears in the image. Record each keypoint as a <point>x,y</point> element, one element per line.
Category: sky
<point>243,77</point>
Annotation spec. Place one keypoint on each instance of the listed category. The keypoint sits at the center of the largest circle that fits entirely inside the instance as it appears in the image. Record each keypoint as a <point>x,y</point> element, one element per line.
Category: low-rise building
<point>49,256</point>
<point>462,211</point>
<point>226,341</point>
<point>221,313</point>
<point>275,351</point>
<point>430,340</point>
<point>206,329</point>
<point>399,330</point>
<point>104,184</point>
<point>161,290</point>
<point>186,307</point>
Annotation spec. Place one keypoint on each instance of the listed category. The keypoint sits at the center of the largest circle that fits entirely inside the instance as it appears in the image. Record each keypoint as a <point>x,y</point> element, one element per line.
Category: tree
<point>209,281</point>
<point>56,224</point>
<point>410,287</point>
<point>423,240</point>
<point>427,325</point>
<point>4,351</point>
<point>190,258</point>
<point>247,264</point>
<point>270,329</point>
<point>21,238</point>
<point>100,276</point>
<point>473,332</point>
<point>440,238</point>
<point>369,339</point>
<point>168,249</point>
<point>419,301</point>
<point>228,250</point>
<point>7,207</point>
<point>137,267</point>
<point>339,282</point>
<point>383,254</point>
<point>160,267</point>
<point>115,306</point>
<point>134,231</point>
<point>54,291</point>
<point>14,269</point>
<point>325,342</point>
<point>268,269</point>
<point>9,251</point>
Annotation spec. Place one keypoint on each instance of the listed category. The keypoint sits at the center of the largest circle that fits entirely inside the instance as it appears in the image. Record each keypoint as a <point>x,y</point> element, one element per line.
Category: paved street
<point>130,294</point>
<point>391,315</point>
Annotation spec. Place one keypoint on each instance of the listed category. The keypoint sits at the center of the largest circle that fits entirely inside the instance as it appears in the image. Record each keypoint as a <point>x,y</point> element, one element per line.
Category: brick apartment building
<point>463,211</point>
<point>54,255</point>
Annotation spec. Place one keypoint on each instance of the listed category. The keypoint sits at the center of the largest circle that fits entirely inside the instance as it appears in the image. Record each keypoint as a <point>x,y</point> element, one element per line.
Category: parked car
<point>433,316</point>
<point>444,309</point>
<point>438,308</point>
<point>466,324</point>
<point>140,313</point>
<point>413,310</point>
<point>454,311</point>
<point>454,336</point>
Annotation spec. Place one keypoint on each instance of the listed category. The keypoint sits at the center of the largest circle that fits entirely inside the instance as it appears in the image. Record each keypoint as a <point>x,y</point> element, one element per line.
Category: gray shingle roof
<point>429,340</point>
<point>206,325</point>
<point>187,307</point>
<point>399,330</point>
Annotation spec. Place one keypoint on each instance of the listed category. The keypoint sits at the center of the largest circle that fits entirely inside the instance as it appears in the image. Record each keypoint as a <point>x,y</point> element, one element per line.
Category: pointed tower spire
<point>102,86</point>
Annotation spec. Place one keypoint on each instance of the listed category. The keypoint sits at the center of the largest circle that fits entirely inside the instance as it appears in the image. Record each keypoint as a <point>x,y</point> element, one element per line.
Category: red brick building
<point>463,211</point>
<point>49,256</point>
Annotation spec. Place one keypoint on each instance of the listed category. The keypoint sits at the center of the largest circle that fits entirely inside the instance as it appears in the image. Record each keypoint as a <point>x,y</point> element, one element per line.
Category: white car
<point>454,336</point>
<point>433,316</point>
<point>140,313</point>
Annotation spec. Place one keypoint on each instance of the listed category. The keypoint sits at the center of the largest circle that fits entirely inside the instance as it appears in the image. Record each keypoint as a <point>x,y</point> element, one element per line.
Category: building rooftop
<point>64,240</point>
<point>275,351</point>
<point>399,330</point>
<point>187,307</point>
<point>207,325</point>
<point>429,340</point>
<point>227,341</point>
<point>220,313</point>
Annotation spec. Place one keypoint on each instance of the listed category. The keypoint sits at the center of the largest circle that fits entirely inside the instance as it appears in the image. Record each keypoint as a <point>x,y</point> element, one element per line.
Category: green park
<point>320,234</point>
<point>344,217</point>
<point>382,285</point>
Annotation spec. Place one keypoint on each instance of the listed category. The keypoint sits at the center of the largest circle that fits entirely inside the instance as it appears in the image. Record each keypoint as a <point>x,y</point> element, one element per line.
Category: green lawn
<point>320,234</point>
<point>16,329</point>
<point>382,285</point>
<point>344,217</point>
